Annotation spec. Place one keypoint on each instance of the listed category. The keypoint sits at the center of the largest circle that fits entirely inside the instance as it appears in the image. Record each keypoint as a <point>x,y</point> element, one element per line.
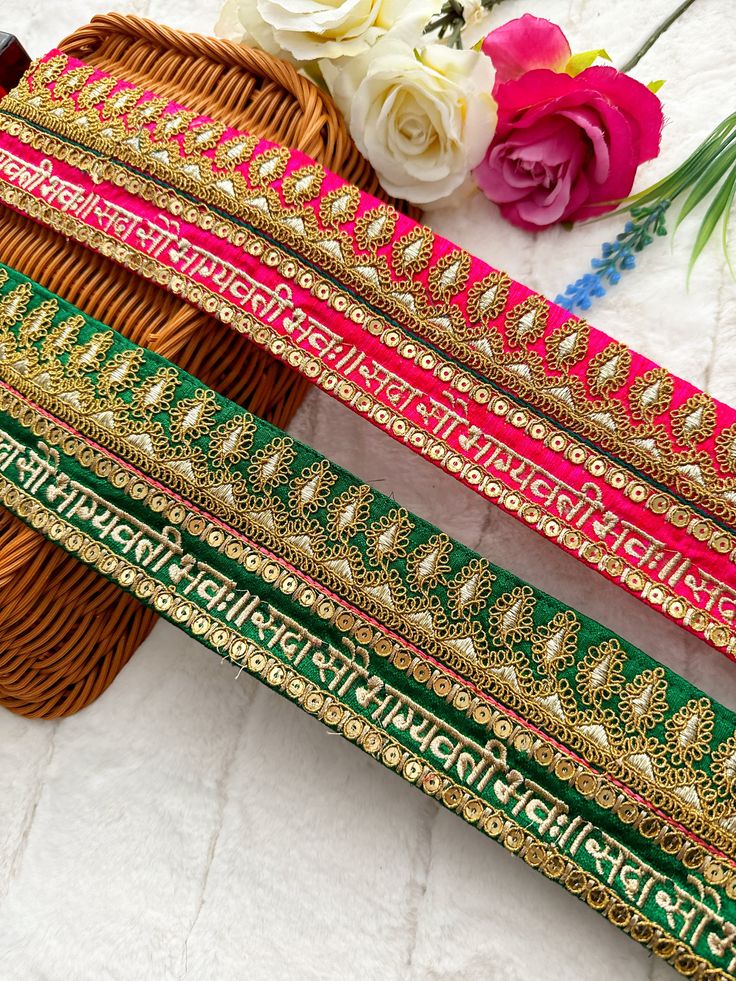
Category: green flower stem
<point>656,34</point>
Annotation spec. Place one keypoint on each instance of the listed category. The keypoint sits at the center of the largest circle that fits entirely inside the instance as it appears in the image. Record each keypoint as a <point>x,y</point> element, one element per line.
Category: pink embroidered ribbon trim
<point>625,466</point>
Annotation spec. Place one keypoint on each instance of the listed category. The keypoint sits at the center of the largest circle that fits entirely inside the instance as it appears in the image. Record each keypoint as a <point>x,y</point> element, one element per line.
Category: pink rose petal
<point>525,43</point>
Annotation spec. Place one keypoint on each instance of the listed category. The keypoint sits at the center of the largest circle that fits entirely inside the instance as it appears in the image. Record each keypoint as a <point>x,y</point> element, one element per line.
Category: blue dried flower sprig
<point>710,171</point>
<point>647,221</point>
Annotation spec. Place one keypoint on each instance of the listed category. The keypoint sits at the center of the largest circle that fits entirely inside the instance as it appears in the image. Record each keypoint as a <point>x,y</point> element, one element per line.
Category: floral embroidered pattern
<point>562,672</point>
<point>560,384</point>
<point>626,743</point>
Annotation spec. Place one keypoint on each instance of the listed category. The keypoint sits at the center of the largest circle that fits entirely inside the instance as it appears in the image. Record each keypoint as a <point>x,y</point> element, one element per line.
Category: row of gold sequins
<point>593,751</point>
<point>367,737</point>
<point>592,552</point>
<point>270,569</point>
<point>701,528</point>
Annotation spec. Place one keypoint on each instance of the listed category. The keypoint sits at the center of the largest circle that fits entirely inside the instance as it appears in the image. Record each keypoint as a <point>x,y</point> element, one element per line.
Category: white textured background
<point>191,825</point>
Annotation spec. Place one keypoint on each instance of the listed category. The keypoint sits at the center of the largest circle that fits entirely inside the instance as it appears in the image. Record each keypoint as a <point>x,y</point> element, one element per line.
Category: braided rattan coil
<point>65,632</point>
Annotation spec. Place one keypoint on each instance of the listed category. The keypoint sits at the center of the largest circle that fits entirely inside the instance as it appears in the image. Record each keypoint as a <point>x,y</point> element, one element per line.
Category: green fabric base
<point>522,715</point>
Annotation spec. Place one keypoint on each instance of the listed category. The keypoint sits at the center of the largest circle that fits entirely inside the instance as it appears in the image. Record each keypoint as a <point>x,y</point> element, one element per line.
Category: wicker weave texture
<point>65,632</point>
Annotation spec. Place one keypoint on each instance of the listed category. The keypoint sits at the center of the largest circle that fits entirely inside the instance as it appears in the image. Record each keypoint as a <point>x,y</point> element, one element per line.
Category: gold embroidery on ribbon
<point>690,472</point>
<point>96,409</point>
<point>373,739</point>
<point>264,172</point>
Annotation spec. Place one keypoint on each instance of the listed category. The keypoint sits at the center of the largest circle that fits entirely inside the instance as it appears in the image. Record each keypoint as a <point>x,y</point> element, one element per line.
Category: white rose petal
<point>305,30</point>
<point>422,116</point>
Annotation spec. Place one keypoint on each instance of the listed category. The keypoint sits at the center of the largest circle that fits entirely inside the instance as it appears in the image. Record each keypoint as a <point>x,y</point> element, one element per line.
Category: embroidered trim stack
<point>552,735</point>
<point>620,463</point>
<point>604,452</point>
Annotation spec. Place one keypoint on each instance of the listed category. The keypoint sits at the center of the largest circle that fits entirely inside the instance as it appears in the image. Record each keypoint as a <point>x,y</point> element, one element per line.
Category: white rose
<point>309,29</point>
<point>477,22</point>
<point>423,116</point>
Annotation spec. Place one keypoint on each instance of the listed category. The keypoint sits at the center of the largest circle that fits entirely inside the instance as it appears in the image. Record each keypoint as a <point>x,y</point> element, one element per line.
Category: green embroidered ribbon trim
<point>600,767</point>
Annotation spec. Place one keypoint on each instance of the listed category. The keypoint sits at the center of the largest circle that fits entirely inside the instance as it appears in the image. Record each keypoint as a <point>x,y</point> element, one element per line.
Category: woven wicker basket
<point>65,632</point>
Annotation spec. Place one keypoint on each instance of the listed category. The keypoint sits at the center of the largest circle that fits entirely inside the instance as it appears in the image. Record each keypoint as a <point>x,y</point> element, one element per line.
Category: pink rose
<point>566,148</point>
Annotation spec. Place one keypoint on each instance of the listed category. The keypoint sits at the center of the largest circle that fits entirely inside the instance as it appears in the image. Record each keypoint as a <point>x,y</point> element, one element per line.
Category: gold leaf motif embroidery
<point>36,323</point>
<point>376,227</point>
<point>121,371</point>
<point>689,731</point>
<point>470,644</point>
<point>89,356</point>
<point>231,440</point>
<point>426,614</point>
<point>338,207</point>
<point>74,81</point>
<point>13,305</point>
<point>644,700</point>
<point>119,102</point>
<point>469,590</point>
<point>144,112</point>
<point>62,338</point>
<point>191,418</point>
<point>449,274</point>
<point>270,466</point>
<point>487,297</point>
<point>449,320</point>
<point>348,513</point>
<point>427,564</point>
<point>385,587</point>
<point>268,166</point>
<point>303,184</point>
<point>695,419</point>
<point>555,644</point>
<point>726,449</point>
<point>511,616</point>
<point>201,135</point>
<point>526,322</point>
<point>343,564</point>
<point>374,272</point>
<point>527,367</point>
<point>599,674</point>
<point>89,95</point>
<point>269,515</point>
<point>310,490</point>
<point>412,251</point>
<point>568,344</point>
<point>230,153</point>
<point>155,393</point>
<point>651,393</point>
<point>171,124</point>
<point>609,369</point>
<point>387,538</point>
<point>724,766</point>
<point>488,341</point>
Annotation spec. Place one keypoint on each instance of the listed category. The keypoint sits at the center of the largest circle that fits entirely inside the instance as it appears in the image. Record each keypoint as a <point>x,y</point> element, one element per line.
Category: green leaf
<point>683,176</point>
<point>726,223</point>
<point>656,86</point>
<point>707,181</point>
<point>579,62</point>
<point>716,209</point>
